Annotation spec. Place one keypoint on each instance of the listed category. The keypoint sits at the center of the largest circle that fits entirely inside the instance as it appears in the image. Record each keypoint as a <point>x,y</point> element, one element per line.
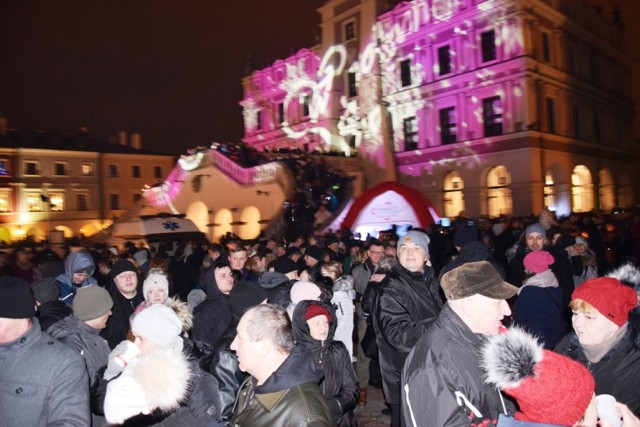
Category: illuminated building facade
<point>73,184</point>
<point>486,107</point>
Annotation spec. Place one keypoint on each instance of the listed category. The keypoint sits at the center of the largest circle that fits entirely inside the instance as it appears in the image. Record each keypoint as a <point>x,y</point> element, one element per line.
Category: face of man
<point>335,246</point>
<point>535,241</point>
<point>100,322</point>
<point>319,328</point>
<point>375,253</point>
<point>237,260</point>
<point>127,283</point>
<point>245,349</point>
<point>79,278</point>
<point>224,279</point>
<point>592,328</point>
<point>260,263</point>
<point>486,314</point>
<point>310,261</point>
<point>412,257</point>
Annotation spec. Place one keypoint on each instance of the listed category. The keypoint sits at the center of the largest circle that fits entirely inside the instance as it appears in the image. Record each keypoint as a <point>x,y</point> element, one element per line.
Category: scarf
<point>546,279</point>
<point>595,352</point>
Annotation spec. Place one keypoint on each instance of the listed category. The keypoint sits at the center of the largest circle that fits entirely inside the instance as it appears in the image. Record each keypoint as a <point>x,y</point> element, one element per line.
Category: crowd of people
<point>521,320</point>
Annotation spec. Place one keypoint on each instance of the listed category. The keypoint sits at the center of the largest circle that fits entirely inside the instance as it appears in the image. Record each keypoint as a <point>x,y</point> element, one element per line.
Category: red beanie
<point>550,388</point>
<point>316,310</point>
<point>538,261</point>
<point>610,297</point>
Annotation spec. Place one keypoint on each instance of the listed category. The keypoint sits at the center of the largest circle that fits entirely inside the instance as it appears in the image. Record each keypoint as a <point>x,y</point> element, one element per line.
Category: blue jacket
<point>74,262</point>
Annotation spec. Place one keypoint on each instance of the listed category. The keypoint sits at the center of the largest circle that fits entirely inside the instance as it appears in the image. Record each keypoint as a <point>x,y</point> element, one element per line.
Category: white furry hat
<point>159,324</point>
<point>155,381</point>
<point>155,279</point>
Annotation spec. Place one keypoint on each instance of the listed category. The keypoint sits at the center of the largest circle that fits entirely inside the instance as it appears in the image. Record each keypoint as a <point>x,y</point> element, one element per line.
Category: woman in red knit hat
<point>606,336</point>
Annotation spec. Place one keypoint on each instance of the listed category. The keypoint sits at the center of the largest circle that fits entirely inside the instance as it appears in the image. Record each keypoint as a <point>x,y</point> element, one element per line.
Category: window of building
<point>546,47</point>
<point>581,189</point>
<point>575,117</point>
<point>259,120</point>
<point>87,169</point>
<point>31,168</point>
<point>34,202</point>
<point>135,171</point>
<point>498,192</point>
<point>351,84</point>
<point>4,167</point>
<point>5,202</point>
<point>113,171</point>
<point>59,168</point>
<point>349,30</point>
<point>157,172</point>
<point>453,196</point>
<point>444,60</point>
<point>410,127</point>
<point>488,39</point>
<point>81,202</point>
<point>492,115</point>
<point>549,191</point>
<point>114,202</point>
<point>281,112</point>
<point>448,123</point>
<point>305,105</point>
<point>551,115</point>
<point>56,201</point>
<point>405,72</point>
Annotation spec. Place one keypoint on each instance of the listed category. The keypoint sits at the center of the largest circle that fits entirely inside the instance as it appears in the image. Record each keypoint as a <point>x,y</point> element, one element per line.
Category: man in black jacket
<point>442,381</point>
<point>406,305</point>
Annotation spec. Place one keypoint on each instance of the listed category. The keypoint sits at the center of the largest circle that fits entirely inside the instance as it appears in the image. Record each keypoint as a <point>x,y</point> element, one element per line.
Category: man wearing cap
<point>78,269</point>
<point>126,298</point>
<point>404,308</point>
<point>81,331</point>
<point>442,380</point>
<point>43,382</point>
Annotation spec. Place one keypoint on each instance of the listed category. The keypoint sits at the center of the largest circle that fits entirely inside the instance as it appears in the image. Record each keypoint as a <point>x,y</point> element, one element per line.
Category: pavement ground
<point>371,415</point>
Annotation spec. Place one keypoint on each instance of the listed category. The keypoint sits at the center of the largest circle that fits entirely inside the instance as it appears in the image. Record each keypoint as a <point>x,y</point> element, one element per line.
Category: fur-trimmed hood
<point>154,382</point>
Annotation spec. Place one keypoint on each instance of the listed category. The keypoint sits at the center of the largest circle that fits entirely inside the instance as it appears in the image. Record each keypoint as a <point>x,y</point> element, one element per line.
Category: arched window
<point>581,189</point>
<point>453,197</point>
<point>498,192</point>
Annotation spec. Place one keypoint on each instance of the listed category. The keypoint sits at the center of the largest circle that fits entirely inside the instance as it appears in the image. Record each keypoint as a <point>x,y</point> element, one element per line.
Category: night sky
<point>170,70</point>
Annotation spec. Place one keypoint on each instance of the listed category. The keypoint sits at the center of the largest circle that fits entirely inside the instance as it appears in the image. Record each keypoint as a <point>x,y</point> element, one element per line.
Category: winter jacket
<point>74,262</point>
<point>618,372</point>
<point>472,252</point>
<point>342,300</point>
<point>84,339</point>
<point>118,324</point>
<point>340,384</point>
<point>442,379</point>
<point>289,397</point>
<point>278,287</point>
<point>213,316</point>
<point>539,310</point>
<point>404,308</point>
<point>42,383</point>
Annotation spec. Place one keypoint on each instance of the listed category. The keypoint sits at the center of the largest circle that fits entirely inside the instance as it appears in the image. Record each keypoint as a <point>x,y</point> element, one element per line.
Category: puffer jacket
<point>342,300</point>
<point>289,397</point>
<point>442,381</point>
<point>618,372</point>
<point>404,308</point>
<point>74,262</point>
<point>340,384</point>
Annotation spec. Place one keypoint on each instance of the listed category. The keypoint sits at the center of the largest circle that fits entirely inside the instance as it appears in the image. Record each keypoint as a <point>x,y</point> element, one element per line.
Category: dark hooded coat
<point>213,316</point>
<point>340,384</point>
<point>75,261</point>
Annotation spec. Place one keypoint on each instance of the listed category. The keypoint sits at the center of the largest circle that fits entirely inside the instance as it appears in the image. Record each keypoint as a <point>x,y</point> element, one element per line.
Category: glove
<point>119,357</point>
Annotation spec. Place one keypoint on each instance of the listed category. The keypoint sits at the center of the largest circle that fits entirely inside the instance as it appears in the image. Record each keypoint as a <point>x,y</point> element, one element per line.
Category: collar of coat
<point>270,400</point>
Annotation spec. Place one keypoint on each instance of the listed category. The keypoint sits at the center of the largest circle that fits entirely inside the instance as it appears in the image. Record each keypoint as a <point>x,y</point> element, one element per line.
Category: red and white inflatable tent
<point>387,204</point>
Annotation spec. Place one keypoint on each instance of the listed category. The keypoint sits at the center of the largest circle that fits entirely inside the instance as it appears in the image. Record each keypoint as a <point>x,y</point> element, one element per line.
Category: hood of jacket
<point>74,262</point>
<point>298,368</point>
<point>272,279</point>
<point>301,332</point>
<point>209,284</point>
